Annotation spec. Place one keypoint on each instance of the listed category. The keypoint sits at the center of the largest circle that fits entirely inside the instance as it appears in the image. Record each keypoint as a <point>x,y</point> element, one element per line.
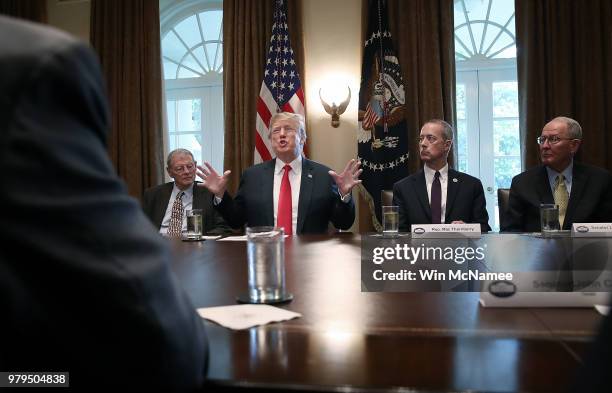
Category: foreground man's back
<point>85,281</point>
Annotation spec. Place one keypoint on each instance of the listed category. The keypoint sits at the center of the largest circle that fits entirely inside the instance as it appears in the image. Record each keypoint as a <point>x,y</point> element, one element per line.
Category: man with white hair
<point>290,191</point>
<point>583,193</point>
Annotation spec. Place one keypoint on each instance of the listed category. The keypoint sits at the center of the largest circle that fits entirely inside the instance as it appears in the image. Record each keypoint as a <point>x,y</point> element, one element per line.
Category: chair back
<point>503,196</point>
<point>386,197</point>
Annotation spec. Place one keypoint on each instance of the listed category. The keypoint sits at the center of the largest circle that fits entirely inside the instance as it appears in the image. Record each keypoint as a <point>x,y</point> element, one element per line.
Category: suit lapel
<point>421,191</point>
<point>306,184</point>
<point>579,181</point>
<point>162,202</point>
<point>543,187</point>
<point>452,189</point>
<point>268,191</point>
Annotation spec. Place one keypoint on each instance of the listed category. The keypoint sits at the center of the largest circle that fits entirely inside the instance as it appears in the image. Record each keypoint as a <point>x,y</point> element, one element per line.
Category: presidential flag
<point>382,143</point>
<point>281,90</point>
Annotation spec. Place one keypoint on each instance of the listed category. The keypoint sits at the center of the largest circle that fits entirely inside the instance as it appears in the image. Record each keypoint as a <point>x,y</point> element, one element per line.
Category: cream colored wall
<point>71,16</point>
<point>332,52</point>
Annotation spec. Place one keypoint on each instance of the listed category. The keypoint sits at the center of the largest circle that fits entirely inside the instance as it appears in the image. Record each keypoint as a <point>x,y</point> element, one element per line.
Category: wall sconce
<point>336,110</point>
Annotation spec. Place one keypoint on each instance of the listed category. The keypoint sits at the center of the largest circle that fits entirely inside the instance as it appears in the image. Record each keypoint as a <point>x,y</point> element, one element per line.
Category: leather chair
<point>386,197</point>
<point>503,196</point>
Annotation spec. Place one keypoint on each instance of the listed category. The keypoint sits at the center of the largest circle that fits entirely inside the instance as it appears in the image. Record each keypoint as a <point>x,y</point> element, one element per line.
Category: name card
<point>591,229</point>
<point>445,231</point>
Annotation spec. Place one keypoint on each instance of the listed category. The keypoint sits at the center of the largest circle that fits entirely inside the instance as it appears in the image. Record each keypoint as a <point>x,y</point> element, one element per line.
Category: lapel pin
<point>310,175</point>
<point>455,180</point>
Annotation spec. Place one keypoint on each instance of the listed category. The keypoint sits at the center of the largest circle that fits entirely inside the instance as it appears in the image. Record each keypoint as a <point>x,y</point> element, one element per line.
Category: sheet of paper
<point>244,316</point>
<point>242,238</point>
<point>211,237</point>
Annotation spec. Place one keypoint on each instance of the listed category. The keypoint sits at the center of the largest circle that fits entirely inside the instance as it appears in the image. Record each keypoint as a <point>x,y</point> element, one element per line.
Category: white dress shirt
<point>429,178</point>
<point>187,205</point>
<point>295,179</point>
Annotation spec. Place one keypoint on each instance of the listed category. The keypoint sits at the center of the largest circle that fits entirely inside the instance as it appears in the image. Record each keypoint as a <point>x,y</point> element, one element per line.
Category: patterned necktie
<point>436,200</point>
<point>176,218</point>
<point>561,197</point>
<point>284,214</point>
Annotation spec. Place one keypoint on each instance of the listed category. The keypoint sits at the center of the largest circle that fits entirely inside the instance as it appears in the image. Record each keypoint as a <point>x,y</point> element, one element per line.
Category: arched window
<point>192,54</point>
<point>487,95</point>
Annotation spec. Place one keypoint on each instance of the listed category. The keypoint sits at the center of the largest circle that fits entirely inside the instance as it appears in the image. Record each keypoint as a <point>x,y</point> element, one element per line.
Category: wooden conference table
<point>347,340</point>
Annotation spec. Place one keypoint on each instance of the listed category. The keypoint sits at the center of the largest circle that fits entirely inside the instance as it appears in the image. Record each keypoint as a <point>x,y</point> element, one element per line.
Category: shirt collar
<point>296,165</point>
<point>188,191</point>
<point>430,173</point>
<point>567,173</point>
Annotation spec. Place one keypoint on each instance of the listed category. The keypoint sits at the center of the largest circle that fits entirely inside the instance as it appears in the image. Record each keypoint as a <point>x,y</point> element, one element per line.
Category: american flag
<point>281,89</point>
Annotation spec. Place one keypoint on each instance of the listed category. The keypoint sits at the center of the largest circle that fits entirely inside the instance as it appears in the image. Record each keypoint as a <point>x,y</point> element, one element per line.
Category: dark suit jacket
<point>85,280</point>
<point>465,200</point>
<point>319,201</point>
<point>155,202</point>
<point>590,198</point>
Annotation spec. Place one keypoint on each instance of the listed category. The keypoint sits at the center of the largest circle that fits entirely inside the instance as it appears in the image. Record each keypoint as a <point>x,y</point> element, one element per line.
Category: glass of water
<point>390,220</point>
<point>549,218</point>
<point>194,224</point>
<point>266,265</point>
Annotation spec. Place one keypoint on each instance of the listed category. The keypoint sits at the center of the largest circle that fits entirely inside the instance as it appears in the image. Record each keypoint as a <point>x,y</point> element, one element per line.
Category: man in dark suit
<point>158,201</point>
<point>583,193</point>
<point>438,194</point>
<point>85,281</point>
<point>289,191</point>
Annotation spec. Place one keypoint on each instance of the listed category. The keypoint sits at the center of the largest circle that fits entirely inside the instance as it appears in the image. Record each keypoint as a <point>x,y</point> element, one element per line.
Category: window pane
<point>188,30</point>
<point>171,115</point>
<point>502,10</point>
<point>462,144</point>
<point>464,35</point>
<point>461,101</point>
<point>185,73</point>
<point>189,115</point>
<point>172,47</point>
<point>191,62</point>
<point>505,99</point>
<point>477,9</point>
<point>192,143</point>
<point>506,138</point>
<point>211,24</point>
<point>199,53</point>
<point>219,62</point>
<point>169,70</point>
<point>505,169</point>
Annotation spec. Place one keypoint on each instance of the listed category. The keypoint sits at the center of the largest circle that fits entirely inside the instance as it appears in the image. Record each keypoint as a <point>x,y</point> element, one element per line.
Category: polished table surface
<point>348,340</point>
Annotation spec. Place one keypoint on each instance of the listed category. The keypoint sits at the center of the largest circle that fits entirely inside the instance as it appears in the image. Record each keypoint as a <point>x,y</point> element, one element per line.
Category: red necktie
<point>284,214</point>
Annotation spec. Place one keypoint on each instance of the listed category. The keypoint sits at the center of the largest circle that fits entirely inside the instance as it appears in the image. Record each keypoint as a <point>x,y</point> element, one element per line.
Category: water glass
<point>194,224</point>
<point>266,264</point>
<point>390,219</point>
<point>549,218</point>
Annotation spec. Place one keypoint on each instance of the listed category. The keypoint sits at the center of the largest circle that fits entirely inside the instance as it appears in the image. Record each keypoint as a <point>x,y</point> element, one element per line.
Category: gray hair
<point>447,129</point>
<point>573,127</point>
<point>176,152</point>
<point>299,119</point>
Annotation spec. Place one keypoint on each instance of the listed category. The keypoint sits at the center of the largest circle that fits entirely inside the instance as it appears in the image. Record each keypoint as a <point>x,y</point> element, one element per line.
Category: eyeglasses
<point>430,138</point>
<point>181,168</point>
<point>552,140</point>
<point>288,130</point>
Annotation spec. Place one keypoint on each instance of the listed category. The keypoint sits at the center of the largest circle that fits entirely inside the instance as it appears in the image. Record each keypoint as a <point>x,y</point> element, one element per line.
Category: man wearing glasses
<point>160,202</point>
<point>438,194</point>
<point>289,191</point>
<point>583,193</point>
